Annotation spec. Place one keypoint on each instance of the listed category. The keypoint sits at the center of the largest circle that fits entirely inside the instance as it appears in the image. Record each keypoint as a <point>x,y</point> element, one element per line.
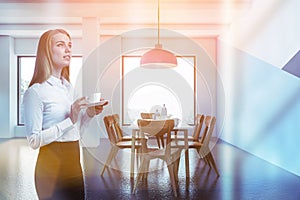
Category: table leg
<point>132,154</point>
<point>187,164</point>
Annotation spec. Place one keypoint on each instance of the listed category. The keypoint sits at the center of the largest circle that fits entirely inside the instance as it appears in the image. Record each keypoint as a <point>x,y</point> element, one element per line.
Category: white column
<point>8,94</point>
<point>90,41</point>
<point>90,34</point>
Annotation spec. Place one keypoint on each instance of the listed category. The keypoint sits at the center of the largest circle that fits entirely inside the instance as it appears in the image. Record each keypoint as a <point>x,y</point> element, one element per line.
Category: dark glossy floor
<point>243,176</point>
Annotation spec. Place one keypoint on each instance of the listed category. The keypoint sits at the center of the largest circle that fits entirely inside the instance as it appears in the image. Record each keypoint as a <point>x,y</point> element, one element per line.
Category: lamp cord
<point>158,24</point>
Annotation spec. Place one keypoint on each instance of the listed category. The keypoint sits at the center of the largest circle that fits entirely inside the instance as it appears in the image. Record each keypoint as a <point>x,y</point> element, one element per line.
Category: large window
<point>146,90</point>
<point>25,72</point>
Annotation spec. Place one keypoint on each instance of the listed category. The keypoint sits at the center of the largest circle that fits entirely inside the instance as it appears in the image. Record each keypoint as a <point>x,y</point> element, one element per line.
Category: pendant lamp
<point>158,58</point>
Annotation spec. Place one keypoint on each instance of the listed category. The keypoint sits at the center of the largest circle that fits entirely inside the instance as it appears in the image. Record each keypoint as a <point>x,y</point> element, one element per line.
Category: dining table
<point>185,128</point>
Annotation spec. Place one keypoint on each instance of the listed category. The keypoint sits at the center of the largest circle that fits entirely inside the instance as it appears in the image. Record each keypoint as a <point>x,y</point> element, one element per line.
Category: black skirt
<point>58,173</point>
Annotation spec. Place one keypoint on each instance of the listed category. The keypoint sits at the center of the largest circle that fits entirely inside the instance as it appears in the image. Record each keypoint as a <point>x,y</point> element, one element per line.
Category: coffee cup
<point>94,98</point>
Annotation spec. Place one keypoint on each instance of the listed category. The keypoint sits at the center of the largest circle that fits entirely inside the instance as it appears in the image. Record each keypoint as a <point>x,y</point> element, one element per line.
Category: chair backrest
<point>147,115</point>
<point>109,125</point>
<point>209,122</point>
<point>154,128</point>
<point>198,126</point>
<point>117,126</point>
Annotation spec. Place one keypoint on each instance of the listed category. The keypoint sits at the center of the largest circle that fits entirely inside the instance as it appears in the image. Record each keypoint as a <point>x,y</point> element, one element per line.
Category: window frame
<point>123,85</point>
<point>19,57</point>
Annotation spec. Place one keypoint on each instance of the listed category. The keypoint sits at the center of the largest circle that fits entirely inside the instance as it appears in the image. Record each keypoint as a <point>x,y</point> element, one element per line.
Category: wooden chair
<point>170,155</point>
<point>115,141</point>
<point>197,130</point>
<point>204,150</point>
<point>119,131</point>
<point>145,115</point>
<point>159,138</point>
<point>120,134</point>
<point>202,146</point>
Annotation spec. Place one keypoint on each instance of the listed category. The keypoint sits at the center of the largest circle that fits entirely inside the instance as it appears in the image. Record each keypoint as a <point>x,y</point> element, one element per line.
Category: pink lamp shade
<point>158,58</point>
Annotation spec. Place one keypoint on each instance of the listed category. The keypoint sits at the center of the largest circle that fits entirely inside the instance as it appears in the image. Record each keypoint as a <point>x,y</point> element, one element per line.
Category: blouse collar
<point>57,82</point>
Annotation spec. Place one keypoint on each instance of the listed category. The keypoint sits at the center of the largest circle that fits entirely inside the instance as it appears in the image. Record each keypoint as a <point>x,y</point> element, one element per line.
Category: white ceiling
<point>196,18</point>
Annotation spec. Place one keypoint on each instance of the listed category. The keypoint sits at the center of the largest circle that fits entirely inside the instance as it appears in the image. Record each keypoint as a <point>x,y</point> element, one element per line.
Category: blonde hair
<point>44,63</point>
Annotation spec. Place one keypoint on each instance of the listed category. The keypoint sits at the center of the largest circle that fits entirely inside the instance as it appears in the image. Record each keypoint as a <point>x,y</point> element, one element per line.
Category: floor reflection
<point>242,176</point>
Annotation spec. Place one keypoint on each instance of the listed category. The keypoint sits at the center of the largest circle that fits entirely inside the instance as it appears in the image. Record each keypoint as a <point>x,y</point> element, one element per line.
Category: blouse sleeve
<point>33,117</point>
<point>83,121</point>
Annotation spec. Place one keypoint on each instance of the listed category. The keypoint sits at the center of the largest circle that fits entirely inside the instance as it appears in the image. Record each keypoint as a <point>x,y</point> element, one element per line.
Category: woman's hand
<point>95,110</point>
<point>76,107</point>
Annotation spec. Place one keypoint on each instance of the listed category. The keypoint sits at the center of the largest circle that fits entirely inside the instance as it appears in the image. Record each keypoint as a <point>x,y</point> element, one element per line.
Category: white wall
<point>269,31</point>
<point>28,46</point>
<point>262,101</point>
<point>6,88</point>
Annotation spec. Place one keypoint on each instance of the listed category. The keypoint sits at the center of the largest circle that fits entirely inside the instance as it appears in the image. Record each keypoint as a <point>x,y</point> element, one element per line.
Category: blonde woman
<point>53,120</point>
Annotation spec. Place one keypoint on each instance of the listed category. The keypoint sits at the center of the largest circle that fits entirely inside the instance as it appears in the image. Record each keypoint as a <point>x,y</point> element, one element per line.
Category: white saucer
<point>99,103</point>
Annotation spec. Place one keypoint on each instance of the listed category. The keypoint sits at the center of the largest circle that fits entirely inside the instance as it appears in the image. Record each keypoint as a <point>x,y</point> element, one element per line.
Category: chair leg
<point>113,152</point>
<point>206,160</point>
<point>171,173</point>
<point>137,154</point>
<point>212,161</point>
<point>158,142</point>
<point>176,167</point>
<point>162,141</point>
<point>175,133</point>
<point>140,173</point>
<point>146,170</point>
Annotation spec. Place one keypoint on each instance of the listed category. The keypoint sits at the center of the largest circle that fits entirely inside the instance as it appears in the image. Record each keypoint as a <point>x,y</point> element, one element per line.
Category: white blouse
<point>46,113</point>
